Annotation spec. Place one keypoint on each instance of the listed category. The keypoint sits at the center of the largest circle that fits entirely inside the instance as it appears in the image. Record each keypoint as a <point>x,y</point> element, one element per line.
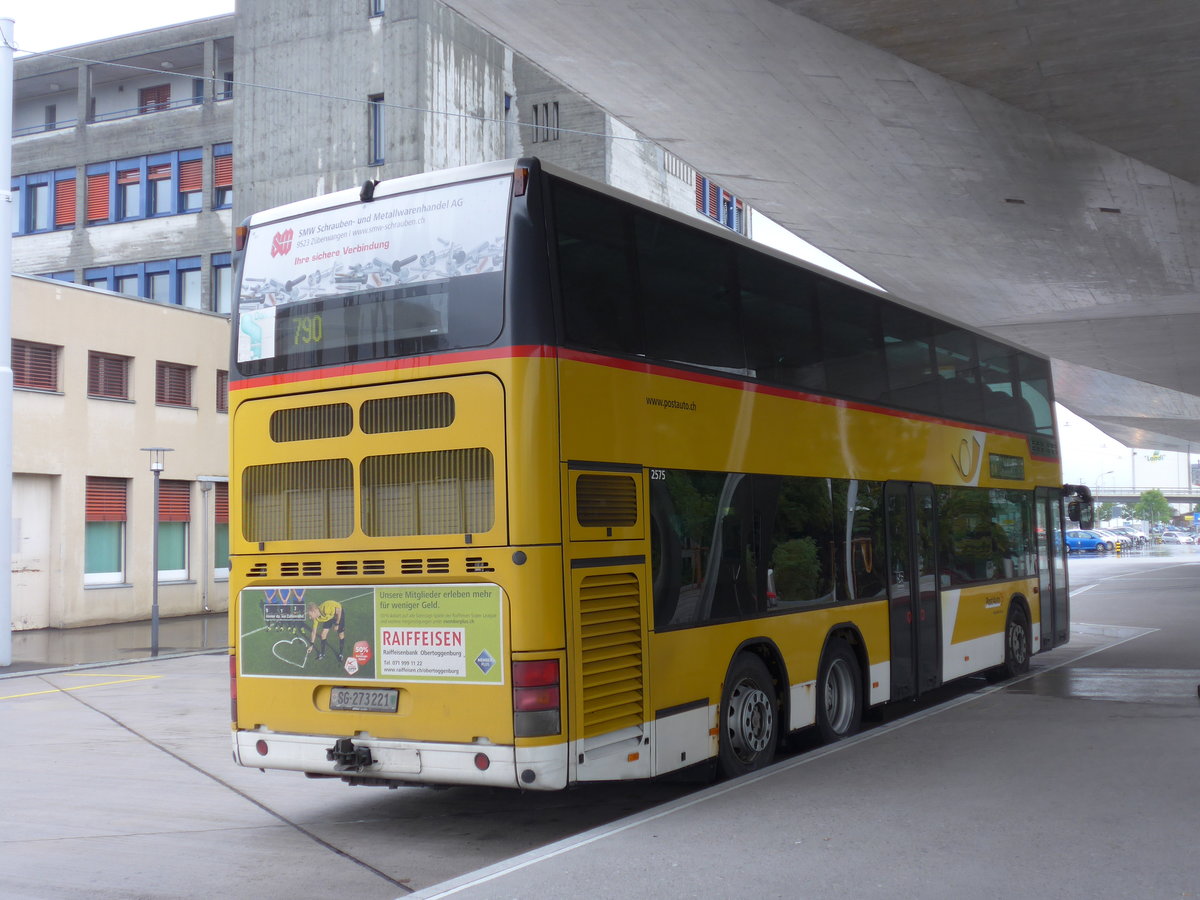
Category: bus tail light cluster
<point>536,698</point>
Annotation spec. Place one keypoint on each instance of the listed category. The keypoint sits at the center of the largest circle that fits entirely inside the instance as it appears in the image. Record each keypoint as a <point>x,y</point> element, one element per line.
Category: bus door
<point>913,600</point>
<point>1052,569</point>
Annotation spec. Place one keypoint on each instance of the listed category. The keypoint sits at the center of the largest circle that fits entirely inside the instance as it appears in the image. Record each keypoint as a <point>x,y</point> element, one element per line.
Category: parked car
<point>1177,537</point>
<point>1140,538</point>
<point>1078,541</point>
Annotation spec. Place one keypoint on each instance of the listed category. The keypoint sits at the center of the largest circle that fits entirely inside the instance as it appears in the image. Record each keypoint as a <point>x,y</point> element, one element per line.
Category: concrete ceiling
<point>1028,167</point>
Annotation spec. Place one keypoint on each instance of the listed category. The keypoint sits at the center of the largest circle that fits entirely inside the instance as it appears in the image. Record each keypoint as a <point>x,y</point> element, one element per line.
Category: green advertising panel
<point>403,633</point>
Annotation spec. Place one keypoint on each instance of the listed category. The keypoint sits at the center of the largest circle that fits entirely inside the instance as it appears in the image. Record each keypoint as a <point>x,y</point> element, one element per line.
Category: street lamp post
<point>157,455</point>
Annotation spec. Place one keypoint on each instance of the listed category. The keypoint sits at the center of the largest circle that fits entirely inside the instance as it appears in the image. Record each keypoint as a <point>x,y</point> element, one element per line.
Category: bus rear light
<point>239,237</point>
<point>482,763</point>
<point>536,698</point>
<point>535,672</point>
<point>520,181</point>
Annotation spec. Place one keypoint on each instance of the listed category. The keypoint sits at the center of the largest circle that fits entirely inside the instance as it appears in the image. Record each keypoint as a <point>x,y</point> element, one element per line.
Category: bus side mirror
<point>1083,513</point>
<point>1087,517</point>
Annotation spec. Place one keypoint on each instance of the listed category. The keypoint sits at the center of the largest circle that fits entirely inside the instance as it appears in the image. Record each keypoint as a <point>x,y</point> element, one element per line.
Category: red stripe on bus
<point>530,351</point>
<point>534,351</point>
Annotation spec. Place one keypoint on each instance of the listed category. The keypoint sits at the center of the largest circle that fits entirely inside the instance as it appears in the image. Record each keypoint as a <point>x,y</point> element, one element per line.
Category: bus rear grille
<point>295,501</point>
<point>610,615</point>
<point>310,423</point>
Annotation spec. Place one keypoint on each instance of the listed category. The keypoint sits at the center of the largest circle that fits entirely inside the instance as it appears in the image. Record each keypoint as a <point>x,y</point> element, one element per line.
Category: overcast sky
<point>45,25</point>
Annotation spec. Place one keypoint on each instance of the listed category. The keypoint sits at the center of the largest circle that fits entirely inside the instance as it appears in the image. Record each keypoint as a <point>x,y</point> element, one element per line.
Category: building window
<point>174,515</point>
<point>375,7</point>
<point>197,91</point>
<point>35,366</point>
<point>37,207</point>
<point>154,98</point>
<point>43,201</point>
<point>221,529</point>
<point>545,122</point>
<point>128,284</point>
<point>227,87</point>
<point>51,116</point>
<point>222,176</point>
<point>158,178</point>
<point>158,286</point>
<point>222,283</point>
<point>189,283</point>
<point>104,531</point>
<point>108,376</point>
<point>191,185</point>
<point>129,194</point>
<point>222,391</point>
<point>173,384</point>
<point>375,128</point>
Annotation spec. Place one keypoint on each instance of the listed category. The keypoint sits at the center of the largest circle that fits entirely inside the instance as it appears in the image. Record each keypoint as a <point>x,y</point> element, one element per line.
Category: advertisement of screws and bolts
<point>423,236</point>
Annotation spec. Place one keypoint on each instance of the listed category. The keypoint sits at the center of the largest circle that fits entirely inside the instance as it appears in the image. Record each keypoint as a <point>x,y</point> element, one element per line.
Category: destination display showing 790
<point>392,314</point>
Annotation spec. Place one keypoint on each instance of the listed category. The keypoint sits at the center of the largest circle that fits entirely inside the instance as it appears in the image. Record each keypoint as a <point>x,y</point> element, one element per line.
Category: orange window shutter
<point>174,501</point>
<point>64,202</point>
<point>191,176</point>
<point>223,171</point>
<point>105,501</point>
<point>221,503</point>
<point>97,197</point>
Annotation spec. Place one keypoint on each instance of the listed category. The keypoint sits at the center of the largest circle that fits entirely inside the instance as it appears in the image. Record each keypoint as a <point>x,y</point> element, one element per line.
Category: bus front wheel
<point>749,717</point>
<point>839,693</point>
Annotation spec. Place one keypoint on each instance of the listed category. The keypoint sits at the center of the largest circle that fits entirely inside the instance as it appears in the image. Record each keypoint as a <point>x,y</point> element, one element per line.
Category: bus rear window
<point>411,274</point>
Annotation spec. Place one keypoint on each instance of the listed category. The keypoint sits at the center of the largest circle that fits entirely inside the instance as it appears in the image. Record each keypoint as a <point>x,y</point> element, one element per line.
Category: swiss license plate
<point>364,699</point>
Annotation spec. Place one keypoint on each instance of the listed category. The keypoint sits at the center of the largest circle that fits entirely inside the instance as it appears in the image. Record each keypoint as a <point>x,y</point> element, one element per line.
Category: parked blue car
<point>1087,540</point>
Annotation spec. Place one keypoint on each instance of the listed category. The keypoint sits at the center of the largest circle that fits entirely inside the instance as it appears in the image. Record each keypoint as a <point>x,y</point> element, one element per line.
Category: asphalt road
<point>119,784</point>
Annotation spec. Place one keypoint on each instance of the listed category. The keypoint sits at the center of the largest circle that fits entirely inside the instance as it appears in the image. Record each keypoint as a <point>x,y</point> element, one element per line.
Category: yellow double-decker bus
<point>536,483</point>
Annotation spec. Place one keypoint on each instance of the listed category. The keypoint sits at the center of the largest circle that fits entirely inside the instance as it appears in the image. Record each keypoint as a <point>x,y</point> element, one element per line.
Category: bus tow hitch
<point>347,757</point>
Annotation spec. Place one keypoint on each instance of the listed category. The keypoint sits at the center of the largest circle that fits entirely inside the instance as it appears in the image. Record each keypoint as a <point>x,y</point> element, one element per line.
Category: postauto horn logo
<point>281,244</point>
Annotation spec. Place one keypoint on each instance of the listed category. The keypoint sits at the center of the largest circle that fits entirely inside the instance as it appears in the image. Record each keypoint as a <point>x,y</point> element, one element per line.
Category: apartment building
<point>123,164</point>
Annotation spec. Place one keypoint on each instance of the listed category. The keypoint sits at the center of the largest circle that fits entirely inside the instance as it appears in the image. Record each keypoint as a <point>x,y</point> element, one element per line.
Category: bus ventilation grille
<point>610,616</point>
<point>349,568</point>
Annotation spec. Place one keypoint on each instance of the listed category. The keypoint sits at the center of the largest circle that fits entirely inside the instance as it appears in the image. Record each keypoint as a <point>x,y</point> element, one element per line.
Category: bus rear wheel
<point>749,717</point>
<point>839,693</point>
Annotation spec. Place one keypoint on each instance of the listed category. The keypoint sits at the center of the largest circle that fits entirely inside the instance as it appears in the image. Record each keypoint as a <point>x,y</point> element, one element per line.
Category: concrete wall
<point>60,438</point>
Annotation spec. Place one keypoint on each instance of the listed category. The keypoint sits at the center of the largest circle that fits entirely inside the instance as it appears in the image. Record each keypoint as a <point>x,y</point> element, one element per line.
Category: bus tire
<point>1016,643</point>
<point>749,717</point>
<point>839,693</point>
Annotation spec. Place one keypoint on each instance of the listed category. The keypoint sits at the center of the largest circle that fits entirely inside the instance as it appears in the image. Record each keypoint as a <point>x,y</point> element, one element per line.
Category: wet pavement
<point>1076,782</point>
<point>63,648</point>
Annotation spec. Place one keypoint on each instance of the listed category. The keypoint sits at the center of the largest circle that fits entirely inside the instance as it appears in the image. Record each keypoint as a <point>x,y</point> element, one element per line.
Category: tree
<point>1107,511</point>
<point>1152,506</point>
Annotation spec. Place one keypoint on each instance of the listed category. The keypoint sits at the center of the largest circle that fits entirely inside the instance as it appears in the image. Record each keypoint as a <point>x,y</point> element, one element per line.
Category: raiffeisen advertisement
<point>417,237</point>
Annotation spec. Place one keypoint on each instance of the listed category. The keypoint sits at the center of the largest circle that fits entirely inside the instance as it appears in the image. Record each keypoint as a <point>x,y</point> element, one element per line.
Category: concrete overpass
<point>1028,168</point>
<point>1132,495</point>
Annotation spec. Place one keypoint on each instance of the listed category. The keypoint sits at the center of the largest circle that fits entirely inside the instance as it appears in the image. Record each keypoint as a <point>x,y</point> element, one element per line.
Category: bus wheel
<point>1016,643</point>
<point>749,717</point>
<point>839,693</point>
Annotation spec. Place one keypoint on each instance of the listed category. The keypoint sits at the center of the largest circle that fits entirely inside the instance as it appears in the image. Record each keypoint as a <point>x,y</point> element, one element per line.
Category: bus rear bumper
<point>366,760</point>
